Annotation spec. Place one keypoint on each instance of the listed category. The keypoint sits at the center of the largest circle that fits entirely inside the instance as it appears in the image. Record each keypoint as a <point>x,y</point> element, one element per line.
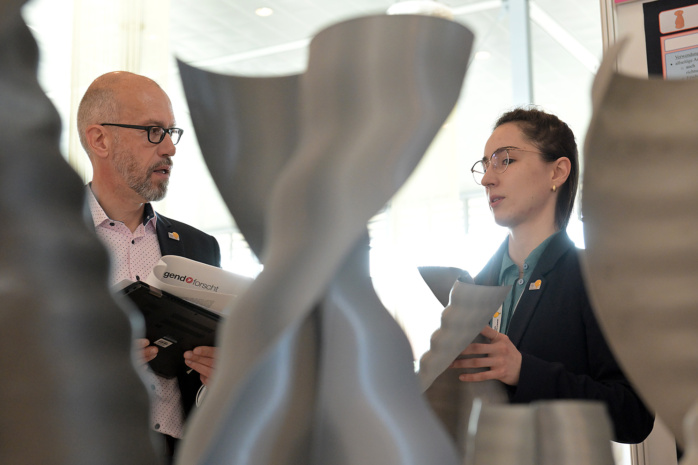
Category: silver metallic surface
<point>640,220</point>
<point>502,435</point>
<point>370,409</point>
<point>376,91</point>
<point>70,393</point>
<point>568,432</point>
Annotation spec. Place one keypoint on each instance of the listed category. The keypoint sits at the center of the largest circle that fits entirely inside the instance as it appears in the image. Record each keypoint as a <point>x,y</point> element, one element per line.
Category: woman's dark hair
<point>555,140</point>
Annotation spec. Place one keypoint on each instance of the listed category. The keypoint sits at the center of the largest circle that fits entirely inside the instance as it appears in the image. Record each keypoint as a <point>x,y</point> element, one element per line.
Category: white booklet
<point>205,285</point>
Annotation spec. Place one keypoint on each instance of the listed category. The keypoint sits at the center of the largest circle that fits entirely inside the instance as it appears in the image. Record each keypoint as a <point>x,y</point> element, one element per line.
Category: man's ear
<point>97,140</point>
<point>561,170</point>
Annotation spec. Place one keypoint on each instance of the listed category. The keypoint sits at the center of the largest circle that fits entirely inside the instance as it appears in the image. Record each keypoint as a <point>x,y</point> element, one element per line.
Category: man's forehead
<point>147,106</point>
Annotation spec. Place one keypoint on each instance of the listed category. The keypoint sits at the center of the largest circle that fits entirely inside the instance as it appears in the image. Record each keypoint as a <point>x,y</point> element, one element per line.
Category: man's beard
<point>142,184</point>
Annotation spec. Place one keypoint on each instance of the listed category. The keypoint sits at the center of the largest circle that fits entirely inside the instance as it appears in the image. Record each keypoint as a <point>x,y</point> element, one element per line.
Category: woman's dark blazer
<point>564,353</point>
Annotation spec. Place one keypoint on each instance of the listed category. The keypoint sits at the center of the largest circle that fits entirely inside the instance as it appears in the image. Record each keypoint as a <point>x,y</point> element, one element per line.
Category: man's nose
<point>167,148</point>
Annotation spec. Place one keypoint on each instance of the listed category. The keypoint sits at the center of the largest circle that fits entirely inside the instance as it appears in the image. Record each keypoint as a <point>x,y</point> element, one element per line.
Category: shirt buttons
<point>133,241</point>
<point>520,282</point>
<point>111,224</point>
<point>157,426</point>
<point>525,266</point>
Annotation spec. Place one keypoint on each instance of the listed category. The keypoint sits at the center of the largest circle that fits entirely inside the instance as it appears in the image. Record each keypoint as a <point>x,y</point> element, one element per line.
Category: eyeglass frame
<point>486,163</point>
<point>165,131</point>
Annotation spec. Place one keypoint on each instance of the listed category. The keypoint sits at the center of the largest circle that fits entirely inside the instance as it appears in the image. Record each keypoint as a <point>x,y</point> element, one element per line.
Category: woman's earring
<point>554,187</point>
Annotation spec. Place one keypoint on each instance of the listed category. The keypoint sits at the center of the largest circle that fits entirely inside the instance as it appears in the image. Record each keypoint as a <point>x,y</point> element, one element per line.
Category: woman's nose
<point>489,177</point>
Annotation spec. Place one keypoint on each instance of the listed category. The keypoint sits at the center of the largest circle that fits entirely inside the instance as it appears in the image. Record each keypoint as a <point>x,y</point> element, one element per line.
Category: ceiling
<point>227,36</point>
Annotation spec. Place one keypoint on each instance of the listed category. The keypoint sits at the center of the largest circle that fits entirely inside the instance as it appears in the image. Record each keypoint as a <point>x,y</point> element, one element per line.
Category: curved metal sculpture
<point>639,222</point>
<point>573,432</point>
<point>71,394</point>
<point>541,433</point>
<point>369,406</point>
<point>376,91</point>
<point>690,457</point>
<point>501,435</point>
<point>248,129</point>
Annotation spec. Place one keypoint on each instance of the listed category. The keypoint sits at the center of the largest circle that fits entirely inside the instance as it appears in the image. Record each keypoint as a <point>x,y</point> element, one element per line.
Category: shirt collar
<point>149,215</point>
<point>99,216</point>
<point>530,262</point>
<point>507,265</point>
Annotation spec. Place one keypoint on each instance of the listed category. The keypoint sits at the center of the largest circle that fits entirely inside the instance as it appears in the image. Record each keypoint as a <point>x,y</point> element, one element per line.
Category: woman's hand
<point>501,357</point>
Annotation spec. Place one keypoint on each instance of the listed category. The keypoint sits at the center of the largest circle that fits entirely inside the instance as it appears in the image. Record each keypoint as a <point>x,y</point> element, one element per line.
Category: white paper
<point>470,309</point>
<point>196,282</point>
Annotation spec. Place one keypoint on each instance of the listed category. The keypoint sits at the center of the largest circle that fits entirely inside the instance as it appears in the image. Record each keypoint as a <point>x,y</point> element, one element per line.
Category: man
<point>127,127</point>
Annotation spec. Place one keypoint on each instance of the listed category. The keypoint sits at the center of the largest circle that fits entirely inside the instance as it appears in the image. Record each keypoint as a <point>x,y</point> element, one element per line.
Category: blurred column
<point>521,68</point>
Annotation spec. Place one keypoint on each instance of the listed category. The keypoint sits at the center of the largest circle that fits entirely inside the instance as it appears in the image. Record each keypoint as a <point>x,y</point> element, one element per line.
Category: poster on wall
<point>671,38</point>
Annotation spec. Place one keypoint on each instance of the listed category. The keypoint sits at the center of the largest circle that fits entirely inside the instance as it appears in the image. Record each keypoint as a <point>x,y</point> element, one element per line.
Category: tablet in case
<point>173,324</point>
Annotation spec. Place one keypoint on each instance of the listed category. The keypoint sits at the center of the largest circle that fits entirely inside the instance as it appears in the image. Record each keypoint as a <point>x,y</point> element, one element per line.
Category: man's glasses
<point>156,134</point>
<point>499,161</point>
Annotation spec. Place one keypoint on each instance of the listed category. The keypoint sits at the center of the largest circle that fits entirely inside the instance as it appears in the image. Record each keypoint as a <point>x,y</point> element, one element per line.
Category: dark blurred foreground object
<point>70,394</point>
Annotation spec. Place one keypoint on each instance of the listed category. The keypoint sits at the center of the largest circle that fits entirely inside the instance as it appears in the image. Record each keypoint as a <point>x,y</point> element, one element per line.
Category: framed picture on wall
<point>671,38</point>
<point>661,36</point>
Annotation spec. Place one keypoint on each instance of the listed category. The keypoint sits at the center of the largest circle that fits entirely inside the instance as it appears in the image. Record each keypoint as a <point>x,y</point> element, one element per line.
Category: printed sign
<point>671,38</point>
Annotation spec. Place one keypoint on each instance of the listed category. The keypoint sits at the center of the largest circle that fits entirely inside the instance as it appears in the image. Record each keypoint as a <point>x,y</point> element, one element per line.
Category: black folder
<point>173,324</point>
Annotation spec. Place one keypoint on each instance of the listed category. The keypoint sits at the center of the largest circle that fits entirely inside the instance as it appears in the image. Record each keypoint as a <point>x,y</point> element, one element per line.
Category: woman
<point>545,342</point>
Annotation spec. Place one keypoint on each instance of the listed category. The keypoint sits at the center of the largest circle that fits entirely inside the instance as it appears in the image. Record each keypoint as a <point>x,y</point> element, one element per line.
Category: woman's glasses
<point>499,161</point>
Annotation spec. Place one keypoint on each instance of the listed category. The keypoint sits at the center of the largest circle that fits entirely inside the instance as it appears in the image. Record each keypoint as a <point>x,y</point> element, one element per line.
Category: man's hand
<point>501,357</point>
<point>202,360</point>
<point>147,352</point>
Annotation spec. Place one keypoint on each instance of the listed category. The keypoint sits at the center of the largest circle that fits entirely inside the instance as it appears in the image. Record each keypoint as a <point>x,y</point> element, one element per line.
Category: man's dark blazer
<point>177,238</point>
<point>564,353</point>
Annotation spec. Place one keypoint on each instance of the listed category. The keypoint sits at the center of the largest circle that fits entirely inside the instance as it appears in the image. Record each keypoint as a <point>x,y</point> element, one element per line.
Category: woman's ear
<point>561,171</point>
<point>96,138</point>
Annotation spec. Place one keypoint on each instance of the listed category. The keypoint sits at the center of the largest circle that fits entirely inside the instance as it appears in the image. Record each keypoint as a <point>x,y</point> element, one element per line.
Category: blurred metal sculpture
<point>335,385</point>
<point>570,432</point>
<point>70,394</point>
<point>247,129</point>
<point>640,220</point>
<point>369,408</point>
<point>501,435</point>
<point>690,456</point>
<point>573,432</point>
